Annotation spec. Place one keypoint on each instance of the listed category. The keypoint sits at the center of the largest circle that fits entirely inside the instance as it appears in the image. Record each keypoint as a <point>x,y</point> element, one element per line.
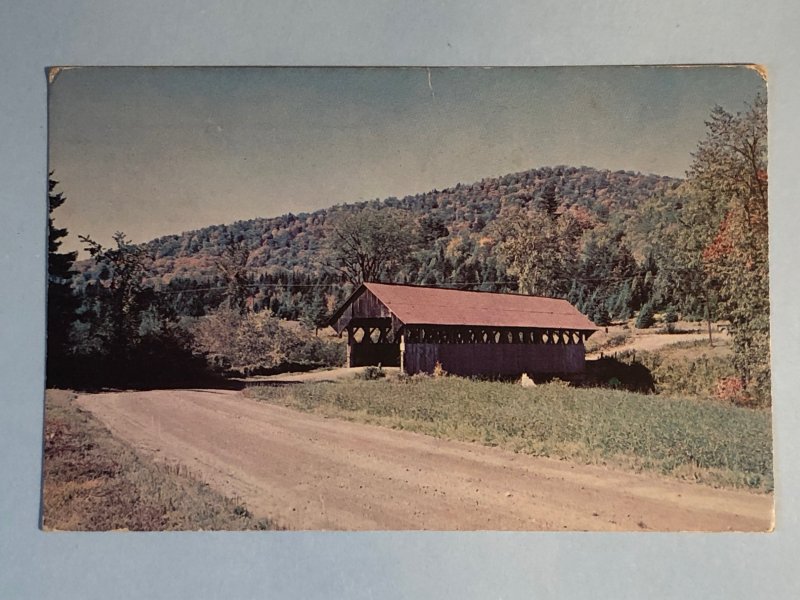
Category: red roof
<point>413,305</point>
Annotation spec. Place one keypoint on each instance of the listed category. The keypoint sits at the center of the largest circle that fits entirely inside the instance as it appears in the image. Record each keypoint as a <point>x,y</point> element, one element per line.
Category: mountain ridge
<point>286,260</point>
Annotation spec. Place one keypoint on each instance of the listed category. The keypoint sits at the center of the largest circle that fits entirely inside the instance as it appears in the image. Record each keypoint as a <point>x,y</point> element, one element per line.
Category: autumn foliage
<point>730,174</point>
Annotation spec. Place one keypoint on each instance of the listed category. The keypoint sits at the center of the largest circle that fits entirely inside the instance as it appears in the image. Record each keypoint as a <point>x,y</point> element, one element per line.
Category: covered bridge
<point>468,333</point>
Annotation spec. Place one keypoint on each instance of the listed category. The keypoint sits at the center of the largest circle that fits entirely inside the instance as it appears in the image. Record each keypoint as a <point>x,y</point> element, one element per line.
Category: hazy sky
<point>154,151</point>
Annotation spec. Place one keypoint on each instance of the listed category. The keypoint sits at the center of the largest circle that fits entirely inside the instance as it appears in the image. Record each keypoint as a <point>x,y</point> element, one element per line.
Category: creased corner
<point>761,70</point>
<point>53,72</point>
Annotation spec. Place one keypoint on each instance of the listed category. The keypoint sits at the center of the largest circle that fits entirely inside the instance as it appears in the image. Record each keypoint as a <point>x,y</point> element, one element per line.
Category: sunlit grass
<point>704,441</point>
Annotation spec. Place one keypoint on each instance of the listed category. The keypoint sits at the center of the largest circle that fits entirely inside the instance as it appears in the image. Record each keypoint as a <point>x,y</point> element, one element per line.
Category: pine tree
<point>315,315</point>
<point>62,303</point>
<point>601,316</point>
<point>549,201</point>
<point>646,316</point>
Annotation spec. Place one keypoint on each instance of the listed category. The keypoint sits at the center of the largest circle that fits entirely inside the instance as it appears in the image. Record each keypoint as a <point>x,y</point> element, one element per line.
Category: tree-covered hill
<point>289,262</point>
<point>291,240</point>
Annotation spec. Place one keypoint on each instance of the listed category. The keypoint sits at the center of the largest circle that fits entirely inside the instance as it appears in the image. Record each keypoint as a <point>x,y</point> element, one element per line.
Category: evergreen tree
<point>315,315</point>
<point>62,304</point>
<point>549,201</point>
<point>233,265</point>
<point>622,303</point>
<point>600,316</point>
<point>646,316</point>
<point>670,318</point>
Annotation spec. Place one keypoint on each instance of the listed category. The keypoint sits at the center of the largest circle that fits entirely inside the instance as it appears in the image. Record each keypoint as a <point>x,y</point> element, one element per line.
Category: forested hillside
<point>451,240</point>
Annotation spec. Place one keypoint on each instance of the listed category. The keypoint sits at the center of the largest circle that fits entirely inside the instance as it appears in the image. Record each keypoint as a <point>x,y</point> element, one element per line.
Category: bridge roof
<point>418,305</point>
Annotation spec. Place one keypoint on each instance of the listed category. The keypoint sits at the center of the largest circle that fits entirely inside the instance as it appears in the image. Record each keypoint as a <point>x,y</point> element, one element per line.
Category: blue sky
<point>153,151</point>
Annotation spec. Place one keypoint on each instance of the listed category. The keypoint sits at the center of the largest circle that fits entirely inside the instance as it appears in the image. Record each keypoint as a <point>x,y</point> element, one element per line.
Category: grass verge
<point>94,482</point>
<point>703,441</point>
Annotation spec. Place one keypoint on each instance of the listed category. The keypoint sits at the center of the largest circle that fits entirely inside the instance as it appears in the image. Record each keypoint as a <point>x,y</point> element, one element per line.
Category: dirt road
<point>647,340</point>
<point>309,472</point>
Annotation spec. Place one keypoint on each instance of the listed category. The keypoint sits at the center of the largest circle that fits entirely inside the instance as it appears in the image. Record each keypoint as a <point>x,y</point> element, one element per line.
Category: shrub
<point>402,377</point>
<point>318,352</point>
<point>732,389</point>
<point>255,343</point>
<point>371,373</point>
<point>618,340</point>
<point>670,371</point>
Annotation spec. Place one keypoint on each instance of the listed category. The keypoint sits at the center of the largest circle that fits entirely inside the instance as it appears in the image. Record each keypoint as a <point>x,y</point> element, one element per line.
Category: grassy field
<point>705,441</point>
<point>94,482</point>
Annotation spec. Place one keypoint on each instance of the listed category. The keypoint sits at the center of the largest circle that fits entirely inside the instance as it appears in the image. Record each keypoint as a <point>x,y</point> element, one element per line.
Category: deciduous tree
<point>118,298</point>
<point>539,249</point>
<point>729,174</point>
<point>370,244</point>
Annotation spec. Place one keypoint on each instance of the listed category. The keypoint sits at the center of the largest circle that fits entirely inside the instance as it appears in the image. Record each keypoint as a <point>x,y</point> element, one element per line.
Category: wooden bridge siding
<point>495,359</point>
<point>366,306</point>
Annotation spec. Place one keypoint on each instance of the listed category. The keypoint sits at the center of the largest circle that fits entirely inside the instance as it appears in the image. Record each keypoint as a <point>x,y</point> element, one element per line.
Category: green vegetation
<point>440,237</point>
<point>62,304</point>
<point>252,343</point>
<point>706,441</point>
<point>646,317</point>
<point>670,318</point>
<point>371,373</point>
<point>709,240</point>
<point>94,482</point>
<point>685,369</point>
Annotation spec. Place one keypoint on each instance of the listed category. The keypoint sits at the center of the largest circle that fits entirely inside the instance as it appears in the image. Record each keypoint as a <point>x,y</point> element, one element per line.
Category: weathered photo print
<point>408,299</point>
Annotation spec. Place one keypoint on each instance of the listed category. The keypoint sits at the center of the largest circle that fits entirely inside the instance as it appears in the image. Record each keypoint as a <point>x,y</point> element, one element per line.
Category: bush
<point>732,389</point>
<point>618,340</point>
<point>258,343</point>
<point>371,373</point>
<point>672,372</point>
<point>319,352</point>
<point>157,360</point>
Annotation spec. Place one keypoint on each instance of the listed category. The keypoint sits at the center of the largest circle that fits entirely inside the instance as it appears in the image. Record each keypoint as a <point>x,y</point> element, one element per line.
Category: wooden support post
<point>402,352</point>
<point>349,346</point>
